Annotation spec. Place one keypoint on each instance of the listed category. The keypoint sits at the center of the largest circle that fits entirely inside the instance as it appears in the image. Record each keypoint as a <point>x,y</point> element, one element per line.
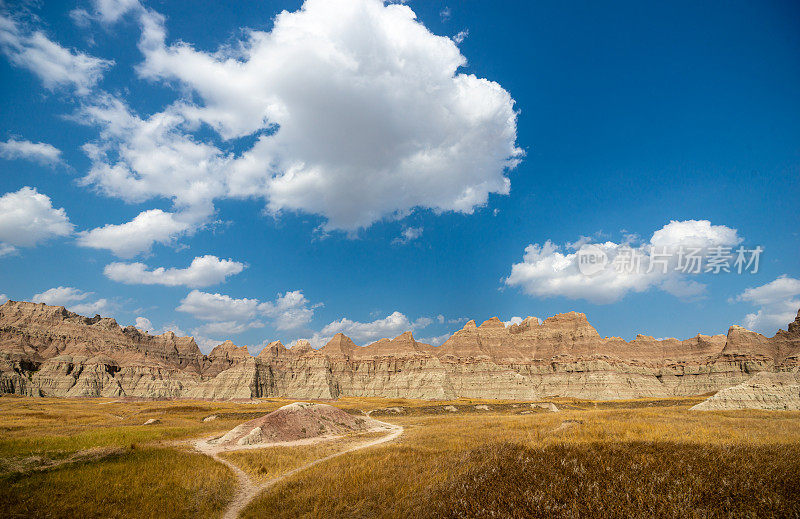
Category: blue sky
<point>370,168</point>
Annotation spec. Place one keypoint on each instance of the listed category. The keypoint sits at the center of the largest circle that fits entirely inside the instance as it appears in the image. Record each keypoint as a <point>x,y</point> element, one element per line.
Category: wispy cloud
<point>55,65</point>
<point>40,152</point>
<point>202,272</point>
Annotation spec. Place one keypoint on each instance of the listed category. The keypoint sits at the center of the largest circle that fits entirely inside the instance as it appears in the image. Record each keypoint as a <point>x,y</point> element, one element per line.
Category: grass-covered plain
<point>146,482</point>
<point>641,458</point>
<point>269,462</point>
<point>96,458</point>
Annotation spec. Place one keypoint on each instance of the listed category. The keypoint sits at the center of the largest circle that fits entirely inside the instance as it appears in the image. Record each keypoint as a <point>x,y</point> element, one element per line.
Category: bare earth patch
<point>297,422</point>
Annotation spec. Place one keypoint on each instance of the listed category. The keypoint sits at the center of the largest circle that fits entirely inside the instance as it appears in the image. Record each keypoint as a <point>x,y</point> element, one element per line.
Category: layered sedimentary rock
<point>768,391</point>
<point>49,351</point>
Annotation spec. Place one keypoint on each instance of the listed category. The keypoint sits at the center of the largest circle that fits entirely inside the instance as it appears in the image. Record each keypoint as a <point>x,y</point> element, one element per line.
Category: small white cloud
<point>226,328</point>
<point>390,326</point>
<point>81,17</point>
<point>580,242</point>
<point>74,300</point>
<point>445,14</point>
<point>137,236</point>
<point>206,344</point>
<point>461,36</point>
<point>55,65</point>
<point>693,234</point>
<point>779,301</point>
<point>110,11</point>
<point>40,152</point>
<point>102,307</point>
<point>546,271</point>
<point>172,327</point>
<point>28,217</point>
<point>60,296</point>
<point>144,324</point>
<point>202,272</point>
<point>422,322</point>
<point>367,332</point>
<point>436,341</point>
<point>288,311</point>
<point>218,307</point>
<point>409,234</point>
<point>513,320</point>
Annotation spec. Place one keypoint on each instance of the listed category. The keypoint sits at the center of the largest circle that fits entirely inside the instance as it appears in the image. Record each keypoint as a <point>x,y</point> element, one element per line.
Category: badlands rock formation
<point>297,421</point>
<point>49,351</point>
<point>769,391</point>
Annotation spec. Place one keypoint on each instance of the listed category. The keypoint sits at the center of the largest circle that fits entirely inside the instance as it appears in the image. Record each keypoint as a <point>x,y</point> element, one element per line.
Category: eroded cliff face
<point>768,391</point>
<point>49,351</point>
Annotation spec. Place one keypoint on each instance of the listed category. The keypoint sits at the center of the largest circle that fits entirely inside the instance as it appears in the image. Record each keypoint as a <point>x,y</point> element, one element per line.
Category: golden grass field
<point>269,462</point>
<point>641,458</point>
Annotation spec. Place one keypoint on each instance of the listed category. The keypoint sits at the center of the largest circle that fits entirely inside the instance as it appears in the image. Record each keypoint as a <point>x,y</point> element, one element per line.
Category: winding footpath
<point>248,490</point>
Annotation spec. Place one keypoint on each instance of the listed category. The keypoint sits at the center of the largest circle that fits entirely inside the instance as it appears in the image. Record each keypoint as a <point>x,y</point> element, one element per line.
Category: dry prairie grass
<point>94,458</point>
<point>756,452</point>
<point>139,483</point>
<point>270,462</point>
<point>601,480</point>
<point>58,428</point>
<point>632,459</point>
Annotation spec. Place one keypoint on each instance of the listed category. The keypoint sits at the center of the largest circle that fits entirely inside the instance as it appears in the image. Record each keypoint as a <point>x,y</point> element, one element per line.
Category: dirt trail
<point>248,490</point>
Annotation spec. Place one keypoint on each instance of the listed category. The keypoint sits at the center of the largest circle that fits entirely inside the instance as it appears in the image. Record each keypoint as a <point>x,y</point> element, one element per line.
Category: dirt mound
<point>297,421</point>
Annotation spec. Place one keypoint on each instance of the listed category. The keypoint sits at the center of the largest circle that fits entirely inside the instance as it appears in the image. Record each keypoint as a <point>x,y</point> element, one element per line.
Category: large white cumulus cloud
<point>359,111</point>
<point>548,270</point>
